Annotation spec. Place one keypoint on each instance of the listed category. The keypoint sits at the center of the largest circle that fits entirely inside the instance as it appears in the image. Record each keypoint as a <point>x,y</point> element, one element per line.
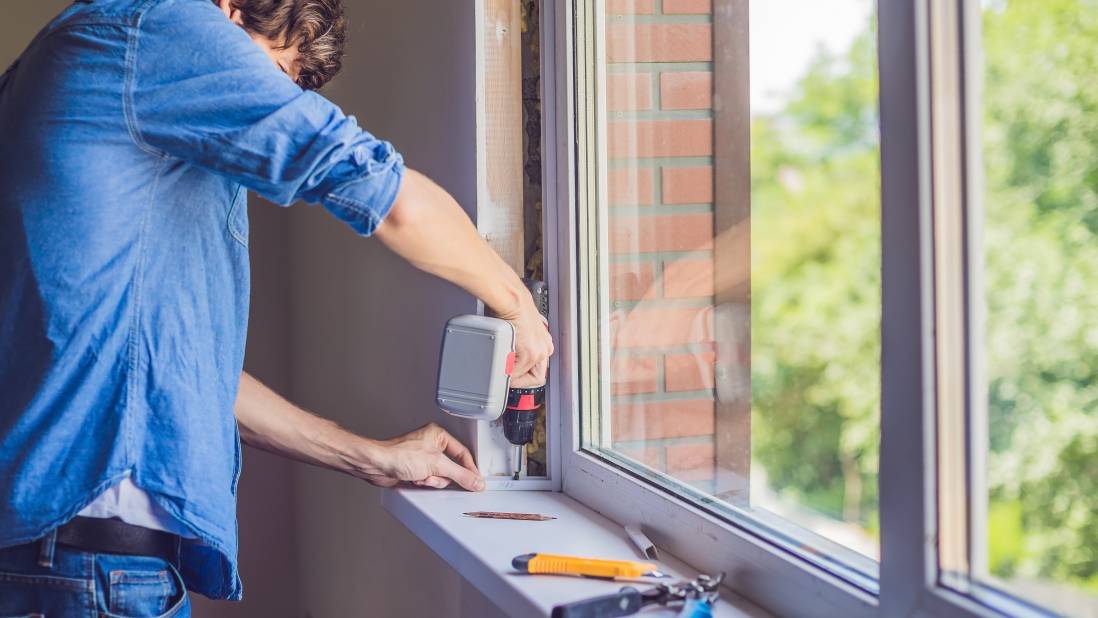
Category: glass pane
<point>730,247</point>
<point>1040,249</point>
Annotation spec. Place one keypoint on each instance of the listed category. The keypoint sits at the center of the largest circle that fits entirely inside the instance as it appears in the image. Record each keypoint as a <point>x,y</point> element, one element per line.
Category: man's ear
<point>231,11</point>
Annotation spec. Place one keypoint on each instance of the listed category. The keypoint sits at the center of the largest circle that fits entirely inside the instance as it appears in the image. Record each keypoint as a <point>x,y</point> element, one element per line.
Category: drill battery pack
<point>474,371</point>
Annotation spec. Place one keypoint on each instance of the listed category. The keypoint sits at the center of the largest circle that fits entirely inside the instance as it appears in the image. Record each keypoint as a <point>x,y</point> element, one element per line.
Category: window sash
<point>759,569</point>
<point>763,570</point>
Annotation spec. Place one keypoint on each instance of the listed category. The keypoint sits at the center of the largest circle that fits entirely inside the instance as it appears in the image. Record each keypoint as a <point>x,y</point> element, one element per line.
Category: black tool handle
<point>540,291</point>
<point>625,602</point>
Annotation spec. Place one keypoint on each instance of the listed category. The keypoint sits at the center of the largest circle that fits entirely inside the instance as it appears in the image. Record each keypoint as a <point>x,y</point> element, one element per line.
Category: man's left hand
<point>428,457</point>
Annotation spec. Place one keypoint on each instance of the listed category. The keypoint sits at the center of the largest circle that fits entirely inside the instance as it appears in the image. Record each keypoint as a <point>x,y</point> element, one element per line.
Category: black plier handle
<point>629,600</point>
<point>624,602</point>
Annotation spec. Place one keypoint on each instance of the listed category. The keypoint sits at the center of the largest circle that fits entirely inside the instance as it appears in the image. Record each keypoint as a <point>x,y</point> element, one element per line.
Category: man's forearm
<point>269,422</point>
<point>428,456</point>
<point>427,227</point>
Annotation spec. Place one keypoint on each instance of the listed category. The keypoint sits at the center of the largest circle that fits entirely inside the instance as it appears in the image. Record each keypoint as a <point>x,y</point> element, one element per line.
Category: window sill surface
<point>481,549</point>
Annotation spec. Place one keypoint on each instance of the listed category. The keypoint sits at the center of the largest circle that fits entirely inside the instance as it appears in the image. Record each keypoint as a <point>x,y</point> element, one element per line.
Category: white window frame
<point>758,568</point>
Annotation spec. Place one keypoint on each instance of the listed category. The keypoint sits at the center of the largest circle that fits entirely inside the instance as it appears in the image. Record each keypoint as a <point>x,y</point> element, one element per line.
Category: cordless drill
<point>474,374</point>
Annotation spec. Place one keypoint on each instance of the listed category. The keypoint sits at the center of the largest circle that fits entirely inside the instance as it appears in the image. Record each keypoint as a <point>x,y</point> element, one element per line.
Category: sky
<point>785,36</point>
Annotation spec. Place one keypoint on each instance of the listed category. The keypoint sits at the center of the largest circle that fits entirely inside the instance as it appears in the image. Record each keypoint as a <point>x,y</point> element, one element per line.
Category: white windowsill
<point>481,549</point>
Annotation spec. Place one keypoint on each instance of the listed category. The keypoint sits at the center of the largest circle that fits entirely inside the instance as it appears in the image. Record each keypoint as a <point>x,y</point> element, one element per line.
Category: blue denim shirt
<point>130,131</point>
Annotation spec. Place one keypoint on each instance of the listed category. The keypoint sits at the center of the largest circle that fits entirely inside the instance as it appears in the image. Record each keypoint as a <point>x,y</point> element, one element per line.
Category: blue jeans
<point>43,579</point>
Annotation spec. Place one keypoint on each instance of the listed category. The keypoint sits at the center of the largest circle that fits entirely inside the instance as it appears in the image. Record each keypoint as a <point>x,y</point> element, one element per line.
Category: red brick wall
<point>660,148</point>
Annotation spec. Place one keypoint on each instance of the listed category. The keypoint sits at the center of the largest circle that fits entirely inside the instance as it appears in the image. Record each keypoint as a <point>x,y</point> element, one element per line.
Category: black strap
<point>114,536</point>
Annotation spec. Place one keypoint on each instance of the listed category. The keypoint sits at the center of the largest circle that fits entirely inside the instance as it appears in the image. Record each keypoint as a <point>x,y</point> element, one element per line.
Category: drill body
<point>523,404</point>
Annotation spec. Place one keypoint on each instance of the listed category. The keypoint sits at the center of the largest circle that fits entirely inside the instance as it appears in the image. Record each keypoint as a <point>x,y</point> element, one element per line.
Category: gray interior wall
<point>366,326</point>
<point>20,22</point>
<point>348,331</point>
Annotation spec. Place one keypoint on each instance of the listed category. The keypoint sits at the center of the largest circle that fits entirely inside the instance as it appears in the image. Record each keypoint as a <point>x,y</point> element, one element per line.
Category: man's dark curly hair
<point>317,27</point>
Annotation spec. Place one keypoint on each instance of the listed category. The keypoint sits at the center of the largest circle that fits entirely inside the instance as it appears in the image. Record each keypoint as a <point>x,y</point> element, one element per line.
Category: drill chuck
<point>518,426</point>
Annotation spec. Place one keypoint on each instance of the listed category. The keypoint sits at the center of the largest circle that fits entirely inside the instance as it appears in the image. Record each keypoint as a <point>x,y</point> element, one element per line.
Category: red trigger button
<point>510,366</point>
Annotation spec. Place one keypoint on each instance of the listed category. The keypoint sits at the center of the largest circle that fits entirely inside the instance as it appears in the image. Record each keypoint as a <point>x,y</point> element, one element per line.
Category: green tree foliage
<point>816,288</point>
<point>1041,252</point>
<point>816,299</point>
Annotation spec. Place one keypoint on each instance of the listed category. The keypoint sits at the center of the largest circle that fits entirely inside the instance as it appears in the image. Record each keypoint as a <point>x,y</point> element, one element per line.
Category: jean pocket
<point>33,596</point>
<point>142,593</point>
<point>238,216</point>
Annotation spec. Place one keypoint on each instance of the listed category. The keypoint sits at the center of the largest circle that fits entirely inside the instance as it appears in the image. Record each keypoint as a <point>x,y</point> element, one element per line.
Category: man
<point>131,130</point>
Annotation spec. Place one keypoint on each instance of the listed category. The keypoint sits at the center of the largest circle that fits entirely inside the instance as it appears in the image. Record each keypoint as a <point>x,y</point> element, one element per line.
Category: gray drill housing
<point>473,376</point>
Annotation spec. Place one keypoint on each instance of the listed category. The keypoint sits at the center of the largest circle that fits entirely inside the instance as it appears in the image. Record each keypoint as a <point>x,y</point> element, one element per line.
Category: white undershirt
<point>128,502</point>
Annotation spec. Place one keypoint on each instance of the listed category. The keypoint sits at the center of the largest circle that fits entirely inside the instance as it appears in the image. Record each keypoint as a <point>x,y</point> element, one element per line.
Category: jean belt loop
<point>46,549</point>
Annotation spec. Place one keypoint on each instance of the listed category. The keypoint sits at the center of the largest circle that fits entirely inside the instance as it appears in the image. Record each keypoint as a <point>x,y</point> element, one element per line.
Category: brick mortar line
<point>661,373</point>
<point>661,114</point>
<point>696,66</point>
<point>658,162</point>
<point>703,302</point>
<point>660,255</point>
<point>696,302</point>
<point>656,258</point>
<point>661,209</point>
<point>679,349</point>
<point>657,95</point>
<point>679,441</point>
<point>659,18</point>
<point>657,179</point>
<point>671,397</point>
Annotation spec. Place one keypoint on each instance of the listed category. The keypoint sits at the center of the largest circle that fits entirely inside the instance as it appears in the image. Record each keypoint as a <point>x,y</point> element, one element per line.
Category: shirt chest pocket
<point>238,216</point>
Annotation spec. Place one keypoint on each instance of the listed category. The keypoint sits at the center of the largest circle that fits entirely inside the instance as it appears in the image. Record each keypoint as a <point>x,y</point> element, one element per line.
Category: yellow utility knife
<point>550,564</point>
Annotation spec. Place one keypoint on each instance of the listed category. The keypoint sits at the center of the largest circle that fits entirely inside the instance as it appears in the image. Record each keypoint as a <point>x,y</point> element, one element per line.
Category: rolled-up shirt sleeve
<point>200,90</point>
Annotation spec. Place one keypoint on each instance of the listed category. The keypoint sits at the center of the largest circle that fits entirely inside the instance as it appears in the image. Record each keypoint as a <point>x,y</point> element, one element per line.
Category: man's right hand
<point>533,345</point>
